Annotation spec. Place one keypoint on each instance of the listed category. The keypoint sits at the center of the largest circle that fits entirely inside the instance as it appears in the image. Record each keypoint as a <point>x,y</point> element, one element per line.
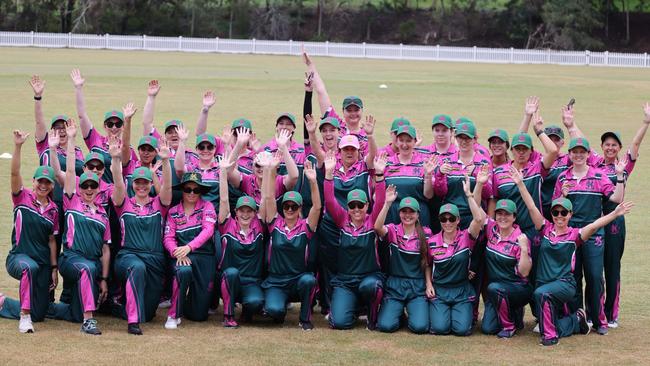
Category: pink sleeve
<point>439,184</point>
<point>170,236</point>
<point>129,168</point>
<point>279,186</point>
<point>207,227</point>
<point>468,241</point>
<point>119,210</point>
<point>380,199</point>
<point>606,186</point>
<point>332,206</point>
<point>630,163</point>
<point>71,202</point>
<point>557,191</point>
<point>93,139</point>
<point>107,232</point>
<point>391,233</point>
<point>246,184</point>
<point>155,133</point>
<point>578,237</point>
<point>21,197</point>
<point>307,229</point>
<point>42,146</point>
<point>159,206</point>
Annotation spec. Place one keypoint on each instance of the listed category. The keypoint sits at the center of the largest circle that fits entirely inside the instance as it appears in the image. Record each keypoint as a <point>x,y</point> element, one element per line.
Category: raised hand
<point>483,174</point>
<point>567,117</point>
<point>566,188</point>
<point>467,186</point>
<point>209,99</point>
<point>620,167</point>
<point>114,147</point>
<point>163,149</point>
<point>243,136</point>
<point>310,123</point>
<point>330,161</point>
<point>369,125</point>
<point>275,160</point>
<point>226,135</point>
<point>53,139</point>
<point>129,110</point>
<point>305,57</point>
<point>225,164</point>
<point>538,123</point>
<point>646,112</point>
<point>391,194</point>
<point>282,138</point>
<point>153,88</point>
<point>182,133</point>
<point>430,165</point>
<point>624,208</point>
<point>522,241</point>
<point>157,165</point>
<point>310,171</point>
<point>71,128</point>
<point>77,80</point>
<point>515,175</point>
<point>380,163</point>
<point>20,137</point>
<point>38,85</point>
<point>253,143</point>
<point>263,158</point>
<point>532,105</point>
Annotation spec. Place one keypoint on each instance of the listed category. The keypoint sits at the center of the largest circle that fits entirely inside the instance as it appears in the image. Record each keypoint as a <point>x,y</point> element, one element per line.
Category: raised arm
<point>291,178</point>
<point>323,98</point>
<point>619,190</point>
<point>243,137</point>
<point>268,186</point>
<point>478,215</point>
<point>306,104</point>
<point>533,211</point>
<point>568,120</point>
<point>589,230</point>
<point>551,150</point>
<point>53,141</point>
<point>640,134</point>
<point>202,123</point>
<point>38,86</point>
<point>310,126</point>
<point>530,108</point>
<point>380,185</point>
<point>164,153</point>
<point>129,111</point>
<point>224,203</point>
<point>84,121</point>
<point>525,264</point>
<point>149,107</point>
<point>179,158</point>
<point>391,196</point>
<point>482,179</point>
<point>369,127</point>
<point>70,185</point>
<point>336,212</point>
<point>16,179</point>
<point>315,210</point>
<point>429,171</point>
<point>119,188</point>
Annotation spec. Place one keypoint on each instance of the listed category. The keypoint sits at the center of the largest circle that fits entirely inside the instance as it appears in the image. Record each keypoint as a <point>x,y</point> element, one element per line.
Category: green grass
<point>259,87</point>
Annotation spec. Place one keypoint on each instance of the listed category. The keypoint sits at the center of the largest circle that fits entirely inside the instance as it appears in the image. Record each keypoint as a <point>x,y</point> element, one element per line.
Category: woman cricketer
<point>33,257</point>
<point>140,263</point>
<point>291,254</point>
<point>359,281</point>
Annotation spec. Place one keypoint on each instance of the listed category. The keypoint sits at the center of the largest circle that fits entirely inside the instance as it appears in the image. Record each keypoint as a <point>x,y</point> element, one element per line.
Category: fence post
<point>363,45</point>
<point>437,52</point>
<point>401,51</point>
<point>645,59</point>
<point>587,56</point>
<point>144,41</point>
<point>474,53</point>
<point>512,55</point>
<point>327,48</point>
<point>216,44</point>
<point>606,57</point>
<point>291,46</point>
<point>69,39</point>
<point>253,45</point>
<point>31,38</point>
<point>180,43</point>
<point>548,55</point>
<point>106,41</point>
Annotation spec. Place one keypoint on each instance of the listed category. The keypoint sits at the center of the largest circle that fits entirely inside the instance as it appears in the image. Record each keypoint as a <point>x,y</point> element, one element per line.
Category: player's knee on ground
<point>230,274</point>
<point>419,324</point>
<point>369,287</point>
<point>306,281</point>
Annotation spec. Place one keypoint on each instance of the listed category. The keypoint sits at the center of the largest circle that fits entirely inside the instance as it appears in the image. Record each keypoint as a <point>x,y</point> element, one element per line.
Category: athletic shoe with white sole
<point>582,322</point>
<point>602,330</point>
<point>25,324</point>
<point>172,323</point>
<point>165,304</point>
<point>536,329</point>
<point>506,333</point>
<point>89,326</point>
<point>306,325</point>
<point>230,322</point>
<point>613,324</point>
<point>549,342</point>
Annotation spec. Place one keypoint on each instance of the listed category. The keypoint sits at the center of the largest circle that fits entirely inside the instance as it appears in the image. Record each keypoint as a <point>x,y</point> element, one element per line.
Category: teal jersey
<point>99,144</point>
<point>405,258</point>
<point>210,177</point>
<point>451,260</point>
<point>587,194</point>
<point>409,181</point>
<point>86,228</point>
<point>33,226</point>
<point>244,251</point>
<point>290,251</point>
<point>502,255</point>
<point>43,150</point>
<point>557,255</point>
<point>142,226</point>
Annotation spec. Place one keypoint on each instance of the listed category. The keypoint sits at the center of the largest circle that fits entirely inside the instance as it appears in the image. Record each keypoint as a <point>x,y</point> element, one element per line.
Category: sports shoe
<point>165,304</point>
<point>536,329</point>
<point>591,324</point>
<point>230,322</point>
<point>89,326</point>
<point>25,324</point>
<point>306,325</point>
<point>212,311</point>
<point>613,324</point>
<point>506,333</point>
<point>371,325</point>
<point>172,323</point>
<point>602,330</point>
<point>290,306</point>
<point>134,328</point>
<point>549,342</point>
<point>582,322</point>
<point>327,317</point>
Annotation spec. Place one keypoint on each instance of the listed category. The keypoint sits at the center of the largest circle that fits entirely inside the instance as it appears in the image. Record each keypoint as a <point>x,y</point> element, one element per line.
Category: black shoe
<point>134,328</point>
<point>306,325</point>
<point>582,322</point>
<point>549,342</point>
<point>89,326</point>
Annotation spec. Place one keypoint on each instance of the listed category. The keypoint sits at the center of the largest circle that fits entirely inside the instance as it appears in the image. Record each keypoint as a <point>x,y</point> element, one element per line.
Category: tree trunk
<point>320,17</point>
<point>232,16</point>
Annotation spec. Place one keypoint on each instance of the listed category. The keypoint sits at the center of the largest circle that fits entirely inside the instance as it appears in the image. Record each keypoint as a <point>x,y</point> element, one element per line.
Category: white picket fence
<point>358,50</point>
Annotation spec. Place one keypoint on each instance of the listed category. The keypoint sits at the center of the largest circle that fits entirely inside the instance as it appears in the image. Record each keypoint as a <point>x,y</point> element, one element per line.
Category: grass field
<point>259,87</point>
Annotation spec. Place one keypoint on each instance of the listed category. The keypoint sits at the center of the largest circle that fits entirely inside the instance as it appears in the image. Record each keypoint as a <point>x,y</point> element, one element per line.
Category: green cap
<point>205,137</point>
<point>500,134</point>
<point>290,116</point>
<point>242,122</point>
<point>352,100</point>
<point>148,140</point>
<point>399,122</point>
<point>563,202</point>
<point>330,121</point>
<point>357,195</point>
<point>173,123</point>
<point>142,173</point>
<point>89,176</point>
<point>442,119</point>
<point>246,201</point>
<point>292,196</point>
<point>579,142</point>
<point>462,120</point>
<point>449,208</point>
<point>522,139</point>
<point>114,114</point>
<point>44,172</point>
<point>507,206</point>
<point>94,156</point>
<point>407,129</point>
<point>554,130</point>
<point>467,129</point>
<point>409,202</point>
<point>192,177</point>
<point>57,118</point>
<point>615,135</point>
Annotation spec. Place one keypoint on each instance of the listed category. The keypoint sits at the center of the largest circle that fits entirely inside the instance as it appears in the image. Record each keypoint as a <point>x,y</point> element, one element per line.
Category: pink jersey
<point>42,147</point>
<point>86,228</point>
<point>361,134</point>
<point>194,230</point>
<point>249,186</point>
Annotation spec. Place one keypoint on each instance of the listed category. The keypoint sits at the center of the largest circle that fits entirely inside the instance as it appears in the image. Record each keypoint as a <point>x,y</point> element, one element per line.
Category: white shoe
<point>25,324</point>
<point>327,317</point>
<point>172,323</point>
<point>613,324</point>
<point>290,306</point>
<point>590,323</point>
<point>536,329</point>
<point>165,304</point>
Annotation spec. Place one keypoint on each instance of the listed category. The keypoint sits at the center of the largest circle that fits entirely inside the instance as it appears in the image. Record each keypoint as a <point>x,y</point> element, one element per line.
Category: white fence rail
<point>363,50</point>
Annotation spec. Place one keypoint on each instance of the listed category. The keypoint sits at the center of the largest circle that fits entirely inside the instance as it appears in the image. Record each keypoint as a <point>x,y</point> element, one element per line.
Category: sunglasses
<point>444,219</point>
<point>110,124</point>
<point>257,166</point>
<point>91,185</point>
<point>557,213</point>
<point>188,190</point>
<point>290,207</point>
<point>208,147</point>
<point>95,166</point>
<point>355,204</point>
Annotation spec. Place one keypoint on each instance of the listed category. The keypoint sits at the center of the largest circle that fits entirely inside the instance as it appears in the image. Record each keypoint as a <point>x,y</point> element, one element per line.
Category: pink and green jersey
<point>195,230</point>
<point>142,226</point>
<point>43,151</point>
<point>451,260</point>
<point>86,229</point>
<point>502,255</point>
<point>587,194</point>
<point>290,252</point>
<point>242,250</point>
<point>99,144</point>
<point>557,254</point>
<point>404,252</point>
<point>33,226</point>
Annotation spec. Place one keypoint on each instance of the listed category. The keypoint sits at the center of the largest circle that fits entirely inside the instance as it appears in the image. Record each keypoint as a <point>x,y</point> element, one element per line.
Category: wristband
<point>620,181</point>
<point>103,278</point>
<point>54,266</point>
<point>539,133</point>
<point>379,175</point>
<point>37,98</point>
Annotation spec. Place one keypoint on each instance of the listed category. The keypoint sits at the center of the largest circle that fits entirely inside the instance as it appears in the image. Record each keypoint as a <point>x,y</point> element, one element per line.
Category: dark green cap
<point>409,202</point>
<point>507,206</point>
<point>462,120</point>
<point>44,172</point>
<point>407,129</point>
<point>442,119</point>
<point>292,196</point>
<point>357,195</point>
<point>57,118</point>
<point>449,208</point>
<point>173,123</point>
<point>148,140</point>
<point>194,177</point>
<point>579,142</point>
<point>563,202</point>
<point>330,121</point>
<point>467,129</point>
<point>142,173</point>
<point>114,114</point>
<point>554,130</point>
<point>500,134</point>
<point>94,156</point>
<point>522,139</point>
<point>290,116</point>
<point>399,122</point>
<point>89,176</point>
<point>246,201</point>
<point>615,135</point>
<point>352,100</point>
<point>242,122</point>
<point>205,137</point>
